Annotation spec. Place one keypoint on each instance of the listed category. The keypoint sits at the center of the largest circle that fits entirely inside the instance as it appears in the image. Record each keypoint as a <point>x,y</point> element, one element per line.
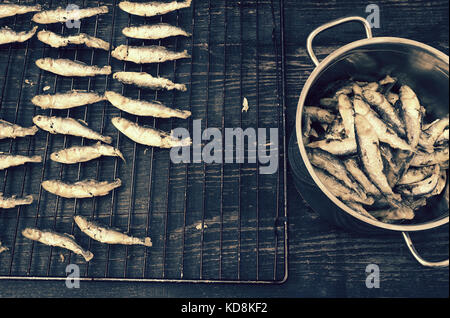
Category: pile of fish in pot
<point>371,149</point>
<point>68,126</point>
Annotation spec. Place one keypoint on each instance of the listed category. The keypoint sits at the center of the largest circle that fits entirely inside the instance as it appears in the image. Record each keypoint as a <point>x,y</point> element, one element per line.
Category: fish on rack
<point>154,31</point>
<point>145,80</point>
<point>57,41</point>
<point>61,15</point>
<point>14,201</point>
<point>82,189</point>
<point>67,100</point>
<point>10,10</point>
<point>13,131</point>
<point>147,54</point>
<point>79,154</point>
<point>9,160</point>
<point>65,67</point>
<point>154,8</point>
<point>8,35</point>
<point>68,126</point>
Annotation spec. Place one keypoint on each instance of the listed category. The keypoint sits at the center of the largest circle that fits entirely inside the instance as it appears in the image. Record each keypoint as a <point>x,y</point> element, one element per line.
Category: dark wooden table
<point>323,261</point>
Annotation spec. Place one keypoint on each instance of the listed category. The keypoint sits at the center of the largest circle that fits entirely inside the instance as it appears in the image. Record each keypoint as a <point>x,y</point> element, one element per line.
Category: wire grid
<point>208,222</point>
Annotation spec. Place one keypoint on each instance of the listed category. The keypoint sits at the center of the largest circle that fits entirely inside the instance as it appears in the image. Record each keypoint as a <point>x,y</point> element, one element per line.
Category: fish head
<point>32,234</point>
<point>407,92</point>
<point>40,63</point>
<point>118,122</point>
<point>81,222</point>
<point>58,157</point>
<point>371,96</point>
<point>120,52</point>
<point>38,18</point>
<point>39,120</point>
<point>50,186</point>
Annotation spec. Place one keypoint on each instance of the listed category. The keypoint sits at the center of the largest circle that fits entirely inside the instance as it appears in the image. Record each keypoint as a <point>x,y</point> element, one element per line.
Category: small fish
<point>51,238</point>
<point>14,201</point>
<point>386,110</point>
<point>10,10</point>
<point>106,235</point>
<point>81,189</point>
<point>65,67</point>
<point>9,36</point>
<point>68,126</point>
<point>9,130</point>
<point>412,115</point>
<point>344,147</point>
<point>57,41</point>
<point>340,191</point>
<point>414,175</point>
<point>430,137</point>
<point>347,112</point>
<point>438,157</point>
<point>147,54</point>
<point>144,108</point>
<point>151,9</point>
<point>370,156</point>
<point>384,132</point>
<point>154,31</point>
<point>146,80</point>
<point>394,214</point>
<point>423,187</point>
<point>79,154</point>
<point>61,15</point>
<point>66,100</point>
<point>353,168</point>
<point>8,160</point>
<point>319,114</point>
<point>148,136</point>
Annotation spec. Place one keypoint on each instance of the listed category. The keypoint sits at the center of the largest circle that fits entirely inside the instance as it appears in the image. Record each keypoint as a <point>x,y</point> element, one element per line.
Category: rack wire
<point>209,223</point>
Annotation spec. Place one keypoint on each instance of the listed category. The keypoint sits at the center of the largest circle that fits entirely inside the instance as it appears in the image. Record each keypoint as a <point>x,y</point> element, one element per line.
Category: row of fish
<point>371,148</point>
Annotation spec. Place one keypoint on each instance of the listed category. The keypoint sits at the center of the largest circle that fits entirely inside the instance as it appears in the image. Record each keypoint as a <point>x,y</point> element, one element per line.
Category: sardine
<point>146,80</point>
<point>347,112</point>
<point>8,160</point>
<point>68,126</point>
<point>79,154</point>
<point>412,115</point>
<point>327,162</point>
<point>147,54</point>
<point>10,10</point>
<point>61,15</point>
<point>344,147</point>
<point>67,100</point>
<point>9,130</point>
<point>14,201</point>
<point>341,191</point>
<point>148,136</point>
<point>370,156</point>
<point>144,108</point>
<point>438,157</point>
<point>151,9</point>
<point>107,235</point>
<point>66,67</point>
<point>414,175</point>
<point>51,238</point>
<point>386,110</point>
<point>319,114</point>
<point>154,31</point>
<point>430,137</point>
<point>81,189</point>
<point>57,41</point>
<point>9,36</point>
<point>383,131</point>
<point>423,187</point>
<point>394,214</point>
<point>354,169</point>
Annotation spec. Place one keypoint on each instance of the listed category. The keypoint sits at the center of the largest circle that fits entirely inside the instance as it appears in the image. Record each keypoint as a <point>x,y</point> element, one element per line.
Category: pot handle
<point>331,25</point>
<point>416,255</point>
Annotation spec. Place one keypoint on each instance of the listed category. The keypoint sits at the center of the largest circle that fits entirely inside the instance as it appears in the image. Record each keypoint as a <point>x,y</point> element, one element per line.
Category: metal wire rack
<point>208,222</point>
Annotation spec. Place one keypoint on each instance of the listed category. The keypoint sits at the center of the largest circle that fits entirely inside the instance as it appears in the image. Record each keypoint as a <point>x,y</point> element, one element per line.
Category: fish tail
<point>106,70</point>
<point>148,242</point>
<point>36,159</point>
<point>28,199</point>
<point>185,114</point>
<point>107,139</point>
<point>180,87</point>
<point>185,54</point>
<point>32,130</point>
<point>120,155</point>
<point>88,256</point>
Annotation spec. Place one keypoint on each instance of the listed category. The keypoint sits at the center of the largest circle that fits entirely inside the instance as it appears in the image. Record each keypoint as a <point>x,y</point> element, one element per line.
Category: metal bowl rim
<point>306,88</point>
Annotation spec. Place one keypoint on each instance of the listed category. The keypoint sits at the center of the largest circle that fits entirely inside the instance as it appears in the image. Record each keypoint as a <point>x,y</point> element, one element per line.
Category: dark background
<point>323,261</point>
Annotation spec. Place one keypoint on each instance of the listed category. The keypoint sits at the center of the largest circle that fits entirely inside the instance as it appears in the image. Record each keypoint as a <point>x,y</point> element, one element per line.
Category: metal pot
<point>422,67</point>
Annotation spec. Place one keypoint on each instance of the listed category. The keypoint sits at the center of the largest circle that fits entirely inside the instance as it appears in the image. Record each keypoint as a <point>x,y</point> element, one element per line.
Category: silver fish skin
<point>81,189</point>
<point>68,126</point>
<point>394,214</point>
<point>9,130</point>
<point>319,114</point>
<point>429,137</point>
<point>341,191</point>
<point>61,15</point>
<point>327,162</point>
<point>412,115</point>
<point>386,110</point>
<point>8,160</point>
<point>10,10</point>
<point>144,108</point>
<point>344,147</point>
<point>438,157</point>
<point>14,201</point>
<point>67,100</point>
<point>148,136</point>
<point>423,187</point>
<point>151,9</point>
<point>147,54</point>
<point>353,168</point>
<point>51,238</point>
<point>57,41</point>
<point>9,36</point>
<point>145,80</point>
<point>154,31</point>
<point>78,154</point>
<point>414,175</point>
<point>384,133</point>
<point>370,156</point>
<point>65,67</point>
<point>107,235</point>
<point>347,112</point>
